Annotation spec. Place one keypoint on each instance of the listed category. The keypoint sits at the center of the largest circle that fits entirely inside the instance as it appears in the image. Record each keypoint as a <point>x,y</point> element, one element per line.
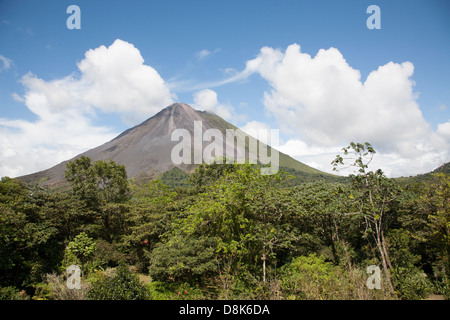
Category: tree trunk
<point>448,260</point>
<point>380,246</point>
<point>264,263</point>
<point>383,243</point>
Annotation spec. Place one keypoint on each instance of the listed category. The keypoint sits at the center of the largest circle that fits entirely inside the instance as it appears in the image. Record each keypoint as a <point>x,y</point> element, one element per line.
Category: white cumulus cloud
<point>111,79</point>
<point>258,130</point>
<point>323,101</point>
<point>28,147</point>
<point>444,130</point>
<point>206,100</point>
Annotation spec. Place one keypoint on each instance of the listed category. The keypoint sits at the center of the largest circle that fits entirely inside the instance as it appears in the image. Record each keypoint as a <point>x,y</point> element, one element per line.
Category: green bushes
<point>122,285</point>
<point>183,260</point>
<point>54,287</point>
<point>412,284</point>
<point>313,278</point>
<point>12,293</point>
<point>174,291</point>
<point>309,278</point>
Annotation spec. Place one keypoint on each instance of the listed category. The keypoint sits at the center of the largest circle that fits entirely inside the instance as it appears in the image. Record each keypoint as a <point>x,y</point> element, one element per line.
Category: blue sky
<point>256,63</point>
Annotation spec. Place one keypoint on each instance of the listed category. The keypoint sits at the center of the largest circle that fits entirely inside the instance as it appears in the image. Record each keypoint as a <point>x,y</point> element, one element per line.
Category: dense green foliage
<point>122,285</point>
<point>175,178</point>
<point>226,232</point>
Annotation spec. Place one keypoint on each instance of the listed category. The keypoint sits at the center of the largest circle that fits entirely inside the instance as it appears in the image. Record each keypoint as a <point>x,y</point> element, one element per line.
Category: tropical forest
<point>225,232</point>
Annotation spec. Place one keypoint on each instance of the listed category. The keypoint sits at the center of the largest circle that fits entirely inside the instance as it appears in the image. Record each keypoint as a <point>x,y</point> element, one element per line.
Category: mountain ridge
<point>145,149</point>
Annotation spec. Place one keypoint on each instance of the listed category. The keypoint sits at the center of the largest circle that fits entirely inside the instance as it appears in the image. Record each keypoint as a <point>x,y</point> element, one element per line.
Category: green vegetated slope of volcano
<point>425,177</point>
<point>145,149</point>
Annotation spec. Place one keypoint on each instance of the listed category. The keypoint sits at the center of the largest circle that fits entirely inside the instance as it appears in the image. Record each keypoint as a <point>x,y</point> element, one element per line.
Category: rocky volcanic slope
<point>145,149</point>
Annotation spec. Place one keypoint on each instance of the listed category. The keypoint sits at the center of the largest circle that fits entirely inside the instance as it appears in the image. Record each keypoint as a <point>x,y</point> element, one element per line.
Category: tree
<point>271,209</point>
<point>246,213</point>
<point>206,174</point>
<point>183,259</point>
<point>97,183</point>
<point>153,209</point>
<point>30,243</point>
<point>320,221</point>
<point>104,188</point>
<point>175,178</point>
<point>82,249</point>
<point>435,204</point>
<point>374,194</point>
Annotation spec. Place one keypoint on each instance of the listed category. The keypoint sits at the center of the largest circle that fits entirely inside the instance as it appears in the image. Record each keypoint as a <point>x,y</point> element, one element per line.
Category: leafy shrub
<point>412,284</point>
<point>80,249</point>
<point>308,278</point>
<point>183,260</point>
<point>313,278</point>
<point>54,287</point>
<point>247,287</point>
<point>123,285</point>
<point>12,293</point>
<point>442,287</point>
<point>174,291</point>
<point>107,254</point>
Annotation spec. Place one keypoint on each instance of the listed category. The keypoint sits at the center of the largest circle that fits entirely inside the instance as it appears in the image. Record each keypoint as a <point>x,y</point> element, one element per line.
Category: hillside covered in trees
<point>226,232</point>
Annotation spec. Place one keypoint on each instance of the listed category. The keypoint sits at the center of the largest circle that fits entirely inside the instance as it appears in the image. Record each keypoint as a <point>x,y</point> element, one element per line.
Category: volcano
<point>146,149</point>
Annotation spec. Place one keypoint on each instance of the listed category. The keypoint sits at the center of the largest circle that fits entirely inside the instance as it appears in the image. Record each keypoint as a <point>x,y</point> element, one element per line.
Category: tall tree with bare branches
<point>374,192</point>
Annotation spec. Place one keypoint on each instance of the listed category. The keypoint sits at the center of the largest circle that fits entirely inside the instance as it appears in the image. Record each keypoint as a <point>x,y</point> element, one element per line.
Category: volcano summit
<point>153,147</point>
